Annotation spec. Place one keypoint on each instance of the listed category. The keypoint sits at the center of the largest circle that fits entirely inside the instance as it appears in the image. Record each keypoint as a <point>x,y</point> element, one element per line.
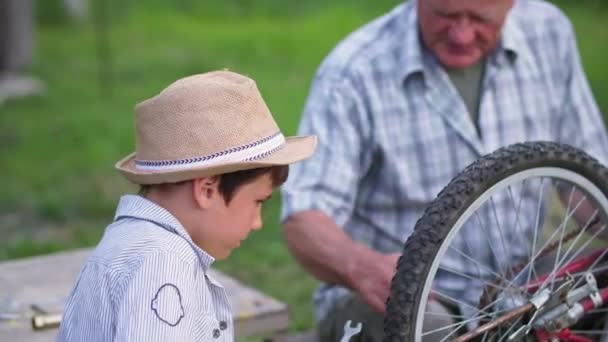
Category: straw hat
<point>205,125</point>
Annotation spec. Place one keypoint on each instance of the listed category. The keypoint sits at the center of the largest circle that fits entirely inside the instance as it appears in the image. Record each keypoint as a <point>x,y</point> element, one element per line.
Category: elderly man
<point>400,107</point>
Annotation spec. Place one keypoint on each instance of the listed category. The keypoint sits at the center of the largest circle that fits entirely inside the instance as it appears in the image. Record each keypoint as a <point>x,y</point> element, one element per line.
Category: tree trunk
<point>16,35</point>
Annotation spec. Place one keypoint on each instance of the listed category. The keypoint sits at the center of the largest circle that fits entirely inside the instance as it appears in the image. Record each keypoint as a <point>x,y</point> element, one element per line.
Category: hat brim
<point>295,149</point>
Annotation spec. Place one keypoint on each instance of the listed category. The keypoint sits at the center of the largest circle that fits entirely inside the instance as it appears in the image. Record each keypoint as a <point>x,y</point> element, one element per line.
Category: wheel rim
<point>555,175</point>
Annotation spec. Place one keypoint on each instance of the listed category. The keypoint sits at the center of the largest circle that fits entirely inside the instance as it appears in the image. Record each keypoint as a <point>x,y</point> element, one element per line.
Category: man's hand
<point>371,278</point>
<point>326,251</point>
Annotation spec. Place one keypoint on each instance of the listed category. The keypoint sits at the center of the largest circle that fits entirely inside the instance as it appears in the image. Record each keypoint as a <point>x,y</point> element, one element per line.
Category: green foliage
<point>25,247</point>
<point>50,12</point>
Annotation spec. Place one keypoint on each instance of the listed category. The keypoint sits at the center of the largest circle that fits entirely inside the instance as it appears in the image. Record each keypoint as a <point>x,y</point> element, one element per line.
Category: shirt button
<point>216,333</point>
<point>223,325</point>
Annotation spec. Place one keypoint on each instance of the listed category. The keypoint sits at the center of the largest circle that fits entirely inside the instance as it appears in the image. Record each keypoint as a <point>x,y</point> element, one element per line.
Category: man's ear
<point>205,191</point>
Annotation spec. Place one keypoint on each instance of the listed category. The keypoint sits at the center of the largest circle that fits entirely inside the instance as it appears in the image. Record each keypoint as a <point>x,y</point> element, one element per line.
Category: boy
<point>208,154</point>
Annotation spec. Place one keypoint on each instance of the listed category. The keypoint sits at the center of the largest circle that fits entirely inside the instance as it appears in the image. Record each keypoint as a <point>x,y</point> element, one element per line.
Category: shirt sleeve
<point>328,181</point>
<point>582,123</point>
<point>157,301</point>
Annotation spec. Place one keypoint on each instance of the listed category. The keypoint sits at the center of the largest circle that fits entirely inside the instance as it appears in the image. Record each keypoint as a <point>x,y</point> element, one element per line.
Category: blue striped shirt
<point>146,281</point>
<point>393,130</point>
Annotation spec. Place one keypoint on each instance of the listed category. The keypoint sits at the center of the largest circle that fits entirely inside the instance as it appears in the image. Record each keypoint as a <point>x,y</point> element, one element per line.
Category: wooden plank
<point>46,281</point>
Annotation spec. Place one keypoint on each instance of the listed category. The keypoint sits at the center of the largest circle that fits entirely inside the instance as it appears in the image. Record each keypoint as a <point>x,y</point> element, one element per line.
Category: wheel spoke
<point>466,242</point>
<point>513,325</point>
<point>464,275</point>
<point>457,325</point>
<point>440,314</point>
<point>487,269</point>
<point>456,301</point>
<point>487,235</point>
<point>538,253</point>
<point>601,256</point>
<point>563,230</point>
<point>517,210</point>
<point>502,238</point>
<point>575,255</point>
<point>558,265</point>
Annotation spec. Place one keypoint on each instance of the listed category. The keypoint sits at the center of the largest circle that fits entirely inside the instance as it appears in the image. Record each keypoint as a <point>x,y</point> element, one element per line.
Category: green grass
<point>57,151</point>
<point>589,17</point>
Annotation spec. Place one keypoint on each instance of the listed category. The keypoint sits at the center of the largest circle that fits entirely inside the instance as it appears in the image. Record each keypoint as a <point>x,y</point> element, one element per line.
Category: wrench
<point>350,330</point>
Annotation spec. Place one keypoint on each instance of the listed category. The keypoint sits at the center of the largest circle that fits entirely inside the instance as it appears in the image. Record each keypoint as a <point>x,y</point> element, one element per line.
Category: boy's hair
<point>229,183</point>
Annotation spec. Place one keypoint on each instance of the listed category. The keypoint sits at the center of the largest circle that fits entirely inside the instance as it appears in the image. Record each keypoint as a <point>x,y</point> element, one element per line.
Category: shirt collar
<point>512,41</point>
<point>409,50</point>
<point>135,206</point>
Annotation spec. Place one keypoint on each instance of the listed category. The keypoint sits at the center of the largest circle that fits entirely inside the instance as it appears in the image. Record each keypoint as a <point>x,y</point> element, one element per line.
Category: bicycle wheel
<point>505,247</point>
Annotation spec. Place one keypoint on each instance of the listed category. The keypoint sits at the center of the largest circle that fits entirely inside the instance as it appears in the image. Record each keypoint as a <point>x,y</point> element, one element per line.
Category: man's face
<point>460,32</point>
<point>231,223</point>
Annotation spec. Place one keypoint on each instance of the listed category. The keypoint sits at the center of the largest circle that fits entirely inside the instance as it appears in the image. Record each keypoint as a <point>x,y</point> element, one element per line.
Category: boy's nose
<point>257,223</point>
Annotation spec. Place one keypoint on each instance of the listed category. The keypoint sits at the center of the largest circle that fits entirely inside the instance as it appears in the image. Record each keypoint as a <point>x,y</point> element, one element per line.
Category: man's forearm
<point>323,248</point>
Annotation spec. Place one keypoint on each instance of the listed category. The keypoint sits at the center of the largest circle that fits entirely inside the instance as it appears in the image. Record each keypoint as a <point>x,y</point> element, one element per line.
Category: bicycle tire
<point>403,304</point>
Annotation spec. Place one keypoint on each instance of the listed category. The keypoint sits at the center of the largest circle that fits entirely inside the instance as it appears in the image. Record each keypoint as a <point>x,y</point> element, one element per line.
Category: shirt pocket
<point>422,169</point>
<point>420,150</point>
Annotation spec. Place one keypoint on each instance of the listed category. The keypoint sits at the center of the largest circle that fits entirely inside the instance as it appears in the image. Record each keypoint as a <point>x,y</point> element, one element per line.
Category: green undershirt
<point>468,82</point>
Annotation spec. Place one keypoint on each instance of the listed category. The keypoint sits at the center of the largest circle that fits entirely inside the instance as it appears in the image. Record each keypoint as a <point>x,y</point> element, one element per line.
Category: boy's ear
<point>205,190</point>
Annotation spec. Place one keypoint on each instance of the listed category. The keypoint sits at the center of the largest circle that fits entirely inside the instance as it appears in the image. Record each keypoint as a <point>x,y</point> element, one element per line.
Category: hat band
<point>256,150</point>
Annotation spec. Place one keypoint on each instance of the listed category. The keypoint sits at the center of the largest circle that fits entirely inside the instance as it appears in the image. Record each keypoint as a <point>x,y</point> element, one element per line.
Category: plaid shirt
<point>146,281</point>
<point>393,130</point>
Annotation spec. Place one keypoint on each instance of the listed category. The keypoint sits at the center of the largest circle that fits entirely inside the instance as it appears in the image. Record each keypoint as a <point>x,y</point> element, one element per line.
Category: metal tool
<point>43,320</point>
<point>40,319</point>
<point>46,321</point>
<point>350,330</point>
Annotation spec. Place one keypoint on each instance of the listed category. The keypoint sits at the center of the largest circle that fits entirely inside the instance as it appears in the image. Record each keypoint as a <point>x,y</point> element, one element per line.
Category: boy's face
<point>226,225</point>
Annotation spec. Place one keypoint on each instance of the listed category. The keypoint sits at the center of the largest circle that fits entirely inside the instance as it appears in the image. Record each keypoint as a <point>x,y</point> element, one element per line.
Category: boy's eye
<point>262,200</point>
